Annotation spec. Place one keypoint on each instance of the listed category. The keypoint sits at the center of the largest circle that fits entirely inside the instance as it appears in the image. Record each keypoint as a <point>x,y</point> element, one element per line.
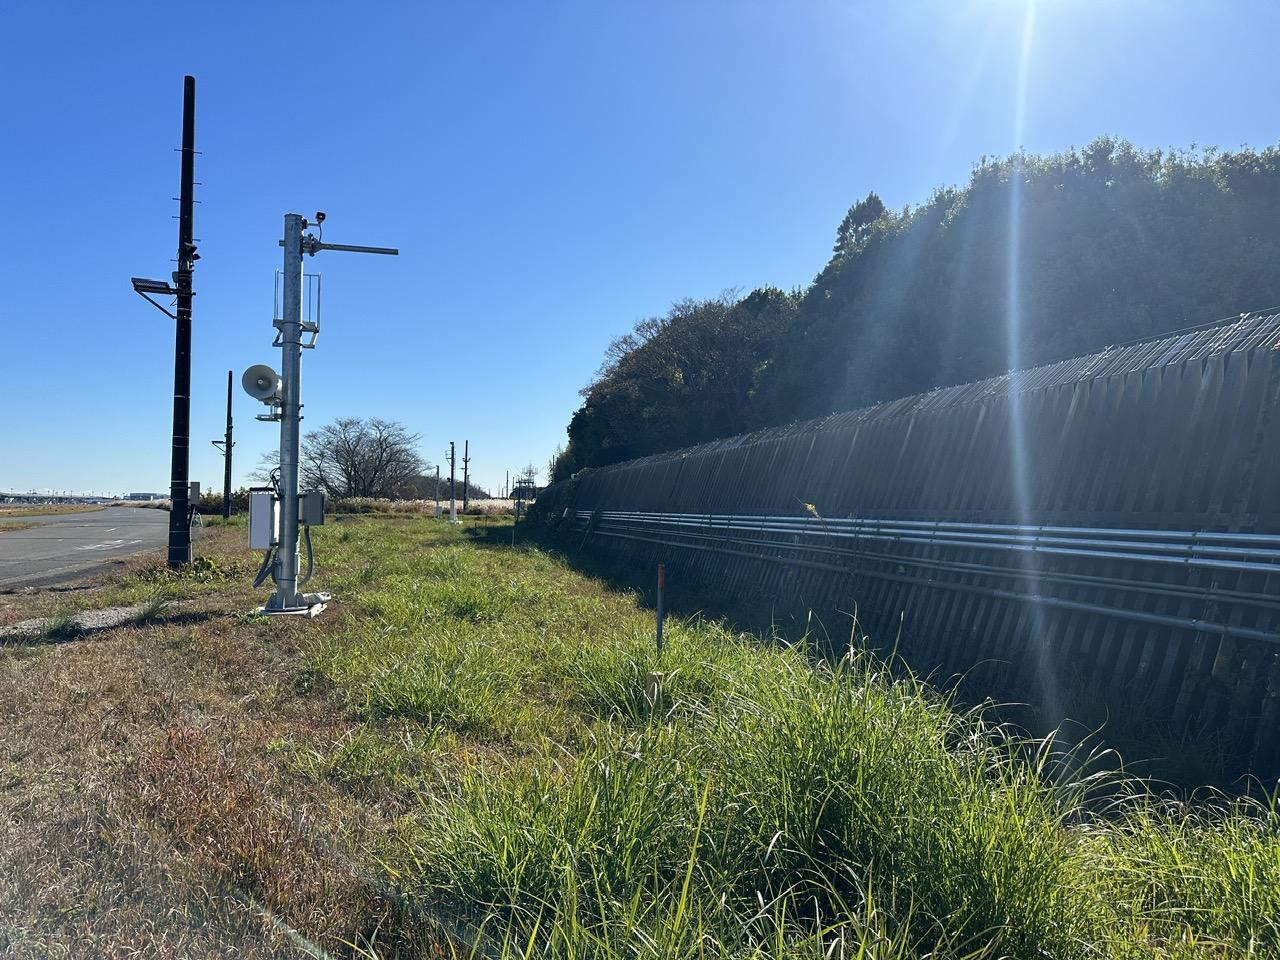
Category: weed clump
<point>62,625</point>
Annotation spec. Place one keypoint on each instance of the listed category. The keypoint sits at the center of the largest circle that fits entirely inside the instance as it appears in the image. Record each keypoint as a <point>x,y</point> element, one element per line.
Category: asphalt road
<point>65,546</point>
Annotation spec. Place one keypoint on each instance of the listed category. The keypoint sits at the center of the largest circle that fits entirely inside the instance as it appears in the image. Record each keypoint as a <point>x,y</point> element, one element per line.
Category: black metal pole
<point>452,468</point>
<point>226,452</point>
<point>466,460</point>
<point>179,499</point>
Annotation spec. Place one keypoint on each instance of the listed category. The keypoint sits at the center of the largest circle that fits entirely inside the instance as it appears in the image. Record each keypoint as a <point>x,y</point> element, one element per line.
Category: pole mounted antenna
<point>289,509</point>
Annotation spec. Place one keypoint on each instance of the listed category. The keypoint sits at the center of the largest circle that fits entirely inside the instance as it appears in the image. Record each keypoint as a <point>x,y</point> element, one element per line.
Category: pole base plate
<point>312,605</point>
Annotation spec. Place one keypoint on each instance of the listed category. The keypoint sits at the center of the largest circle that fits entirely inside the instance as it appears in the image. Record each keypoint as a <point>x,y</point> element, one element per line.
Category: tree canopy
<point>678,379</point>
<point>357,457</point>
<point>1037,258</point>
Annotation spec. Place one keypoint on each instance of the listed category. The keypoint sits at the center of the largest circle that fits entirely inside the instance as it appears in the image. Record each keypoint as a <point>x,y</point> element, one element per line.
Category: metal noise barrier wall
<point>1107,524</point>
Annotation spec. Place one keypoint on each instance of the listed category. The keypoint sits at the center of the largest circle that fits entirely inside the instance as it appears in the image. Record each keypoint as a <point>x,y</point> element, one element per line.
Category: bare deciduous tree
<point>355,457</point>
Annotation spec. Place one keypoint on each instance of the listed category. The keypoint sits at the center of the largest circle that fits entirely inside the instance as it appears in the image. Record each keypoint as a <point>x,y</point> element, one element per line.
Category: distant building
<point>144,496</point>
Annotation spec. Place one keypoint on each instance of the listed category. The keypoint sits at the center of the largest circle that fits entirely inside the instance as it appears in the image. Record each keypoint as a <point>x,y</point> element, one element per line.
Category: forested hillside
<point>1113,244</point>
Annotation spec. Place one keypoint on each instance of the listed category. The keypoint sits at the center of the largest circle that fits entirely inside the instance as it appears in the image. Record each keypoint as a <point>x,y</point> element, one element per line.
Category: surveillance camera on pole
<point>276,512</point>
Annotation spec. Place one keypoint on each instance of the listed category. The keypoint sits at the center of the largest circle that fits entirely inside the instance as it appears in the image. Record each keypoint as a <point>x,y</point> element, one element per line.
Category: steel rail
<point>1194,550</point>
<point>878,523</point>
<point>1205,594</point>
<point>1186,623</point>
<point>1046,534</point>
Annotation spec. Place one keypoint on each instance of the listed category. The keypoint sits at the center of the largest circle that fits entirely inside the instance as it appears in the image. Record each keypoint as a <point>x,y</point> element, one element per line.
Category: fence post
<point>662,582</point>
<point>653,686</point>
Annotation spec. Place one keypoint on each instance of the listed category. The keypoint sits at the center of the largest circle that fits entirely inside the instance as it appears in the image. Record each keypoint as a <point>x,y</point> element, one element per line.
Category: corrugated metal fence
<point>1111,521</point>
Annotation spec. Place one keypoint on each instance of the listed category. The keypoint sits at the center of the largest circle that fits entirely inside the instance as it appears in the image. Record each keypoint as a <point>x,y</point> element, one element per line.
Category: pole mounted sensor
<point>288,508</point>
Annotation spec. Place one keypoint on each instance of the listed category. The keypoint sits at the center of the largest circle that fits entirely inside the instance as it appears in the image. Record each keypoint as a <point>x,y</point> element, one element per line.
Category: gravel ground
<point>87,621</point>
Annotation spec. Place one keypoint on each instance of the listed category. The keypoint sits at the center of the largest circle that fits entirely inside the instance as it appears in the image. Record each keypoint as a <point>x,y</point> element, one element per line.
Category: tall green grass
<point>768,804</point>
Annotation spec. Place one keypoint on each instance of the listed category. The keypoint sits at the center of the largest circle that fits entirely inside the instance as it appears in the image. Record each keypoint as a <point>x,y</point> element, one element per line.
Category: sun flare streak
<point>1018,462</point>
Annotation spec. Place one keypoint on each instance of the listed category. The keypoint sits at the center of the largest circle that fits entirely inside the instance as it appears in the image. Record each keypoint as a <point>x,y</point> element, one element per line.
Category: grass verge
<point>46,509</point>
<point>465,757</point>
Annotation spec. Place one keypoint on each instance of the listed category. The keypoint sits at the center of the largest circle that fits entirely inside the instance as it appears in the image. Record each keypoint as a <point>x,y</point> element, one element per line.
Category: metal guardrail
<point>1110,451</point>
<point>860,546</point>
<point>1195,548</point>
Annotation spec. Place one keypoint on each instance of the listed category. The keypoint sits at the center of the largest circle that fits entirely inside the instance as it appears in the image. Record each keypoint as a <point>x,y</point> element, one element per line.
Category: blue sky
<point>552,172</point>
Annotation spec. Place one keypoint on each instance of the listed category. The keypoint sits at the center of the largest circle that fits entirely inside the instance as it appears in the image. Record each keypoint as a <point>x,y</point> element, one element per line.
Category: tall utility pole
<point>506,486</point>
<point>290,329</point>
<point>286,596</point>
<point>225,446</point>
<point>466,476</point>
<point>453,503</point>
<point>179,470</point>
<point>437,489</point>
<point>180,289</point>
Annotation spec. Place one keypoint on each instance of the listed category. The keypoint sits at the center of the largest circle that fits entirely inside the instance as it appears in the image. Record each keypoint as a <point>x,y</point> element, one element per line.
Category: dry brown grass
<point>494,507</point>
<point>46,509</point>
<point>144,806</point>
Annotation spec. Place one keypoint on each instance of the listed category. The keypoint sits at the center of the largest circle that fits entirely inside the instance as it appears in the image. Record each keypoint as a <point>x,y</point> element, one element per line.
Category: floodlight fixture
<point>144,288</point>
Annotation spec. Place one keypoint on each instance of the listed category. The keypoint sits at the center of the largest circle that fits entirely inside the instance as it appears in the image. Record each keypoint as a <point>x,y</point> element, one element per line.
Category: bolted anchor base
<point>309,605</point>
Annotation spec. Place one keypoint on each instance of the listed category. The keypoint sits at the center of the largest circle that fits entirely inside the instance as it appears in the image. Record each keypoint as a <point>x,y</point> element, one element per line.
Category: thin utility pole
<point>453,503</point>
<point>226,445</point>
<point>437,489</point>
<point>179,470</point>
<point>466,475</point>
<point>506,486</point>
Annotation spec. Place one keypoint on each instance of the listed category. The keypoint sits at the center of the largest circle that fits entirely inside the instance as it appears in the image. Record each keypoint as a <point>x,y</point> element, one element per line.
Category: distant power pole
<point>225,446</point>
<point>453,469</point>
<point>437,489</point>
<point>466,474</point>
<point>228,443</point>
<point>506,486</point>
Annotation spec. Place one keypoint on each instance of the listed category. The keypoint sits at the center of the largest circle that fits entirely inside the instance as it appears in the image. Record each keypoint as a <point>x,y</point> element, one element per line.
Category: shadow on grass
<point>830,632</point>
<point>1184,761</point>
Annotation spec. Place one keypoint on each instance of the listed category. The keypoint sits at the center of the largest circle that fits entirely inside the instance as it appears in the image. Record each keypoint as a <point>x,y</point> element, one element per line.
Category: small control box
<point>264,518</point>
<point>311,508</point>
